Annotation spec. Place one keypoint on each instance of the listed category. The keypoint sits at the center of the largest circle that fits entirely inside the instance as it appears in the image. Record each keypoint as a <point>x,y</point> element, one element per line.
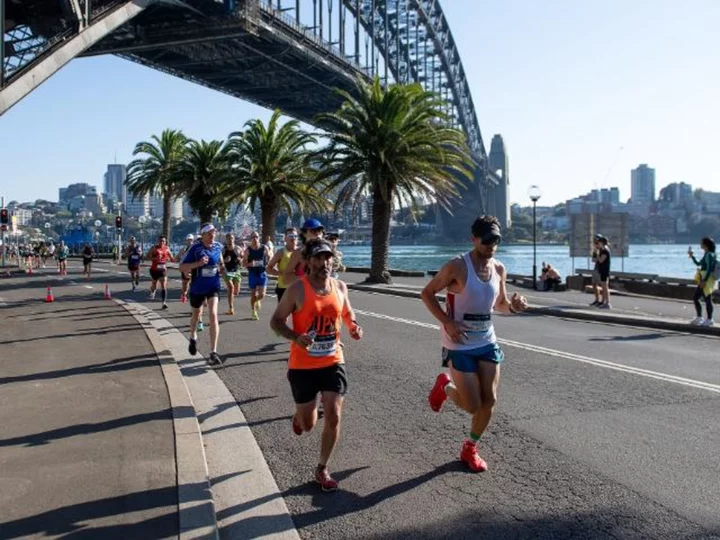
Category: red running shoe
<point>297,430</point>
<point>469,455</point>
<point>323,478</point>
<point>437,395</point>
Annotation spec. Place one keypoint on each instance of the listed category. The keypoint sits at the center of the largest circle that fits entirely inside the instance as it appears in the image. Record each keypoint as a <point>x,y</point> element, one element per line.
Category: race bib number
<point>478,324</point>
<point>134,258</point>
<point>256,264</point>
<point>208,271</point>
<point>160,267</point>
<point>324,345</point>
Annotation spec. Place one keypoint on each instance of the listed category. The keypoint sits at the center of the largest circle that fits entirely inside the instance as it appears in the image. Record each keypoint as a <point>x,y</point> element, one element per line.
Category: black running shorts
<point>279,293</point>
<point>157,274</point>
<point>306,383</point>
<point>197,300</point>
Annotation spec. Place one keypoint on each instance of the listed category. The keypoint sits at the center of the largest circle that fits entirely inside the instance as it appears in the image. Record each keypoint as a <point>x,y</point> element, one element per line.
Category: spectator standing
<point>601,274</point>
<point>705,278</point>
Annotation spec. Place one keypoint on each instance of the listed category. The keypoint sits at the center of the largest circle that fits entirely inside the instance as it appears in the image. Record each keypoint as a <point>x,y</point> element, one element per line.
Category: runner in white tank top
<point>475,285</point>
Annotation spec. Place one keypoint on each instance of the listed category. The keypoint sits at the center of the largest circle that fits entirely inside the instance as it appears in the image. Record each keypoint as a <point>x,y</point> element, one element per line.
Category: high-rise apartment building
<point>642,188</point>
<point>115,178</point>
<point>500,194</point>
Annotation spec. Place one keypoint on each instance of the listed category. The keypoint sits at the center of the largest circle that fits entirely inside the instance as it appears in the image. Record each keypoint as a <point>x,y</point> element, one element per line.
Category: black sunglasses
<point>491,239</point>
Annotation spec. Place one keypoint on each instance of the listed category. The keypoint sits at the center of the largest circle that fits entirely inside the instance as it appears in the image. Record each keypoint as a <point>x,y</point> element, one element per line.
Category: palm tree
<point>271,164</point>
<point>203,177</point>
<point>156,172</point>
<point>394,145</point>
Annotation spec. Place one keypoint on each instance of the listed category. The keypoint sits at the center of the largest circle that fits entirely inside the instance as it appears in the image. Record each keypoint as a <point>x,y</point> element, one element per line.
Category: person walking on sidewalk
<point>475,285</point>
<point>318,305</point>
<point>232,255</point>
<point>133,252</point>
<point>256,258</point>
<point>601,273</point>
<point>204,262</point>
<point>159,255</point>
<point>706,278</point>
<point>280,260</point>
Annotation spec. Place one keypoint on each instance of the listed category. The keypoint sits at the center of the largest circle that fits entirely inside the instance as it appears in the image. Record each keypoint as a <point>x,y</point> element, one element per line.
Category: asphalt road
<point>601,431</point>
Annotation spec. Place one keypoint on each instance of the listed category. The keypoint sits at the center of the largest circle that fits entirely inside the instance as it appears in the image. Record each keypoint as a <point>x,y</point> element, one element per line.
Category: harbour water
<point>662,259</point>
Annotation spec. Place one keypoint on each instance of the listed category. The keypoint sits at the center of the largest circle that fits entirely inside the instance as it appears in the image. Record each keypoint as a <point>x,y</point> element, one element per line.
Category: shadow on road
<point>638,337</point>
<point>119,364</point>
<point>45,437</point>
<point>89,332</point>
<point>72,521</point>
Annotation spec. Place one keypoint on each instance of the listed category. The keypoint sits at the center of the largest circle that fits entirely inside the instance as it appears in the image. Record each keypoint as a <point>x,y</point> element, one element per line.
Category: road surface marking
<point>88,286</point>
<point>568,356</point>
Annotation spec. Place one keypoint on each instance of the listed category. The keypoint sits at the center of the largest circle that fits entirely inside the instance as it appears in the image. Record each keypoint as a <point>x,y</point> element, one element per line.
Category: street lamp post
<point>534,194</point>
<point>97,224</point>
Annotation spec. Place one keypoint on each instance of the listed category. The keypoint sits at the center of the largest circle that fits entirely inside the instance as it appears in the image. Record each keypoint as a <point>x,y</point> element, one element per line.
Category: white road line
<point>568,356</point>
<point>88,286</point>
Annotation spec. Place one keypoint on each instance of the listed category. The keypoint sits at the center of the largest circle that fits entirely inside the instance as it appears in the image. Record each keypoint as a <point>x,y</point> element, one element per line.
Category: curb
<point>247,502</point>
<point>641,322</point>
<point>196,507</point>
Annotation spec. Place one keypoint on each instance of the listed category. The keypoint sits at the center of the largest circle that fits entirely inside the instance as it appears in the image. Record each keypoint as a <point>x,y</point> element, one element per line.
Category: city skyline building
<point>498,160</point>
<point>114,185</point>
<point>642,184</point>
<point>137,206</point>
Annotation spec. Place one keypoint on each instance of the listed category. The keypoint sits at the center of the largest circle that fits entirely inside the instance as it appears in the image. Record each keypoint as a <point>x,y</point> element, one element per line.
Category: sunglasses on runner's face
<point>291,236</point>
<point>491,240</point>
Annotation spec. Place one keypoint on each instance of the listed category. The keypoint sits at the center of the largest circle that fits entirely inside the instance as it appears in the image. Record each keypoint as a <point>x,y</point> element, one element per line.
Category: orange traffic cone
<point>49,297</point>
<point>107,292</point>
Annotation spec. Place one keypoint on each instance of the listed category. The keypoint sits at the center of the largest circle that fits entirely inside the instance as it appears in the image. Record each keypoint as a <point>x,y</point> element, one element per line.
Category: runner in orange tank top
<point>318,305</point>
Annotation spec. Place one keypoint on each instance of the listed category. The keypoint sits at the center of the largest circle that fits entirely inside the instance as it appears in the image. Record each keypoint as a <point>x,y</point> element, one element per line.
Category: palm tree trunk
<point>381,214</point>
<point>167,201</point>
<point>269,210</point>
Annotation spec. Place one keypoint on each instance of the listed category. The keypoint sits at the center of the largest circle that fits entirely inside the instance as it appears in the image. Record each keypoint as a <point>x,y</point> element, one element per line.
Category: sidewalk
<point>87,443</point>
<point>628,309</point>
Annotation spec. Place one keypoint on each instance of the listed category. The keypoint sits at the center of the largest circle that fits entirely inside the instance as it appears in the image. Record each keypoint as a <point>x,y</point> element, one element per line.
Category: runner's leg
<point>306,415</point>
<point>163,291</point>
<point>214,325</point>
<point>332,403</point>
<point>488,376</point>
<point>464,390</point>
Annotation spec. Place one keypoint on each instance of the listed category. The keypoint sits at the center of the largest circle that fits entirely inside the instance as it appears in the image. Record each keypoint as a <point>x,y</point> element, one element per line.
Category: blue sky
<point>567,84</point>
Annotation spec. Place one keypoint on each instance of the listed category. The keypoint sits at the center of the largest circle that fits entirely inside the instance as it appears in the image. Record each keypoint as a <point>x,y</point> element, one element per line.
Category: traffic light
<point>118,222</point>
<point>4,217</point>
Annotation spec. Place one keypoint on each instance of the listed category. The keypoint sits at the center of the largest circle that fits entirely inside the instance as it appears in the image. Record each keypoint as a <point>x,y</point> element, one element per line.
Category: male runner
<point>475,286</point>
<point>62,254</point>
<point>232,255</point>
<point>159,255</point>
<point>87,257</point>
<point>189,239</point>
<point>256,257</point>
<point>318,305</point>
<point>311,229</point>
<point>204,261</point>
<point>133,252</point>
<point>279,262</point>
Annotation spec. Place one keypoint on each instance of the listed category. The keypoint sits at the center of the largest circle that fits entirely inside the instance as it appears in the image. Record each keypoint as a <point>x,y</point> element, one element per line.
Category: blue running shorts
<point>467,361</point>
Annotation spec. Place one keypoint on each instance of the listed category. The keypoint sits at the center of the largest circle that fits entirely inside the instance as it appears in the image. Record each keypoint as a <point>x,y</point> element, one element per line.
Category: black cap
<point>320,248</point>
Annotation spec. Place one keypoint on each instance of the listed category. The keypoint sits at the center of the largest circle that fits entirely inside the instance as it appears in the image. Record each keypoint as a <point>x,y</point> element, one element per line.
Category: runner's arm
<point>503,304</point>
<point>271,267</point>
<point>441,281</point>
<point>189,262</point>
<point>291,300</point>
<point>348,314</point>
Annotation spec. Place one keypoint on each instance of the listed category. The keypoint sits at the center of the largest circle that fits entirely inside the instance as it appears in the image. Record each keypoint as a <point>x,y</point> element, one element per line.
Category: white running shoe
<point>697,321</point>
<point>152,295</point>
<point>708,322</point>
